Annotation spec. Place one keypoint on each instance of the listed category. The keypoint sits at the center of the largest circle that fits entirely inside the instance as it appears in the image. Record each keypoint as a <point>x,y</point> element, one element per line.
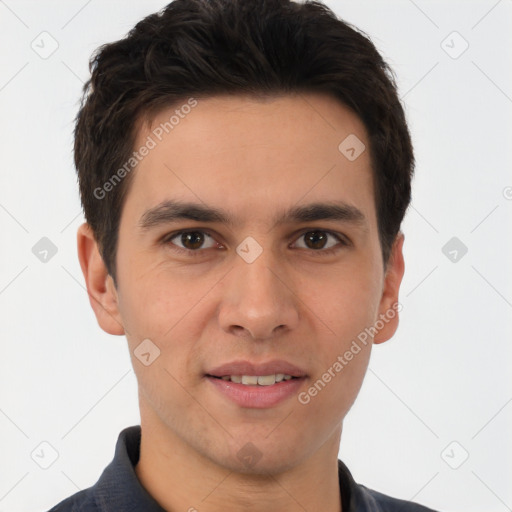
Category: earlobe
<point>387,321</point>
<point>100,286</point>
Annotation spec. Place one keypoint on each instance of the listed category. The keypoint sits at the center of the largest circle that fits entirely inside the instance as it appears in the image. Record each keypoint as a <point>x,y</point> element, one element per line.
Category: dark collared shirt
<point>118,489</point>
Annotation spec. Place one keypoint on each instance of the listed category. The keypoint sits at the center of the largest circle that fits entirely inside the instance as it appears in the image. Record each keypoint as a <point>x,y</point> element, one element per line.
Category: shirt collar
<point>119,488</point>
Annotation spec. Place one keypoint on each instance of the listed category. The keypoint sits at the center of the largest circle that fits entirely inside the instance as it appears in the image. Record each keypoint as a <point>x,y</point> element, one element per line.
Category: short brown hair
<point>203,48</point>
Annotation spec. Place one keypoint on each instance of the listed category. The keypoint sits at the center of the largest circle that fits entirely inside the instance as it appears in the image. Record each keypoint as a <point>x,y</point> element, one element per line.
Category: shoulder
<point>82,501</point>
<point>375,501</point>
<point>117,488</point>
<point>359,498</point>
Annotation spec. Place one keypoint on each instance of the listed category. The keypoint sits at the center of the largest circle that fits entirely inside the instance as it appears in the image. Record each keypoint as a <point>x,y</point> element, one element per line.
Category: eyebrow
<point>171,211</point>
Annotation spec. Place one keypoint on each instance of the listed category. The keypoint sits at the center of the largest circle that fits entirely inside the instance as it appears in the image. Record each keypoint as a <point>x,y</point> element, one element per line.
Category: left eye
<point>315,240</point>
<point>318,239</point>
<point>192,240</point>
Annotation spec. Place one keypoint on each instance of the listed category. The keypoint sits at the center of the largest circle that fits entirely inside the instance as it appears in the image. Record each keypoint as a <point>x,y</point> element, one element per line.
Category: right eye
<point>192,241</point>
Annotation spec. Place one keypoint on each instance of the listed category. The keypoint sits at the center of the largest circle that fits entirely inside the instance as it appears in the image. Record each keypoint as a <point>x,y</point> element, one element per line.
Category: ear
<point>100,285</point>
<point>389,306</point>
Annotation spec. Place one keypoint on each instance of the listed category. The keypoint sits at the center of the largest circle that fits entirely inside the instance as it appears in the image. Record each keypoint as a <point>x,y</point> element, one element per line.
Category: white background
<point>444,377</point>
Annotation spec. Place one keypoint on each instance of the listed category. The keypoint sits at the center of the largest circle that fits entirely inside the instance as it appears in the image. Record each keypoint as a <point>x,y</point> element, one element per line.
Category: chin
<point>264,467</point>
<point>259,456</point>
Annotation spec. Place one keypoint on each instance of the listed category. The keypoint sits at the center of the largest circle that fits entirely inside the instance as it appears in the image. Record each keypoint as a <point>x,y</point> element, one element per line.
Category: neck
<point>179,478</point>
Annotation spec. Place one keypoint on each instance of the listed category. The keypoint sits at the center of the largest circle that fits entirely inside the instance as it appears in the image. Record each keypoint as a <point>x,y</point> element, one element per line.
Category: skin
<point>251,158</point>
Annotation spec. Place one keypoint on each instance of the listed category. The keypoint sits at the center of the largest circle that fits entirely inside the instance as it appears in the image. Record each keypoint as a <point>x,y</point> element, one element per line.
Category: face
<point>259,279</point>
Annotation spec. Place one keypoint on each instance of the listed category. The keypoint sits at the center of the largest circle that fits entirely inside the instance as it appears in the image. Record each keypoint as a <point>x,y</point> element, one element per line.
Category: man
<point>244,169</point>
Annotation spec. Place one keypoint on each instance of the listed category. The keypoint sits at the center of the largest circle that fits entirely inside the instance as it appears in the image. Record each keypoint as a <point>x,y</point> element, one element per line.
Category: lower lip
<point>257,397</point>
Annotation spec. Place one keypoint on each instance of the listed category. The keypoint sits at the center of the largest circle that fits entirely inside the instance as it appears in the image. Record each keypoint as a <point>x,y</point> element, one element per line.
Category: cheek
<point>345,303</point>
<point>343,306</point>
<point>344,361</point>
<point>155,310</point>
<point>331,393</point>
<point>157,302</point>
<point>171,312</point>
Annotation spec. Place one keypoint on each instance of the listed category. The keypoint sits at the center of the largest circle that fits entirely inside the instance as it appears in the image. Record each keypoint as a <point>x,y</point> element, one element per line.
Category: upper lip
<point>248,368</point>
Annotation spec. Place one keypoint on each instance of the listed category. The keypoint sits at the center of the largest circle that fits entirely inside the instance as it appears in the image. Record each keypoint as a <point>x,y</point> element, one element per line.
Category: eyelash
<point>198,252</point>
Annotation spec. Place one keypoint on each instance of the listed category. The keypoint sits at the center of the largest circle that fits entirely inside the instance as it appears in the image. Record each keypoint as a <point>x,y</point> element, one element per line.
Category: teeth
<point>257,380</point>
<point>251,380</point>
<point>266,380</point>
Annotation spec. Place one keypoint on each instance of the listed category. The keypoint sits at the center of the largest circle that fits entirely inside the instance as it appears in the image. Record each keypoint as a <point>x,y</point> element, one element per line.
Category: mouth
<point>256,380</point>
<point>263,374</point>
<point>256,386</point>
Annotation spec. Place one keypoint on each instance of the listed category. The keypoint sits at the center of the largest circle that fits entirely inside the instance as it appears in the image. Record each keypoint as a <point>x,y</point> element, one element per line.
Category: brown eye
<point>318,240</point>
<point>190,240</point>
<point>315,239</point>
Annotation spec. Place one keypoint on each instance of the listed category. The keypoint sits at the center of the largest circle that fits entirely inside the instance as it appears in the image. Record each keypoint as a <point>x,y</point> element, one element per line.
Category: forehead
<point>252,155</point>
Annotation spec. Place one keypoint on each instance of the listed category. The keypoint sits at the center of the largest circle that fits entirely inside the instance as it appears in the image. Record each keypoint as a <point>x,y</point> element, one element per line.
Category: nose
<point>258,299</point>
